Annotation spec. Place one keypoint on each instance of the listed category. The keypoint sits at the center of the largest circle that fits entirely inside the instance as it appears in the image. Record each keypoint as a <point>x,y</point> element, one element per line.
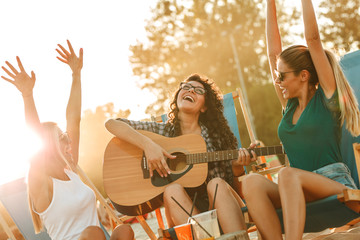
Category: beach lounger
<point>350,64</point>
<point>13,196</point>
<point>4,224</point>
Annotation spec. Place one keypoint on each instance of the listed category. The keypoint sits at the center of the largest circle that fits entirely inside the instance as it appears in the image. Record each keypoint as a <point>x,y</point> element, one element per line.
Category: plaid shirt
<point>221,169</point>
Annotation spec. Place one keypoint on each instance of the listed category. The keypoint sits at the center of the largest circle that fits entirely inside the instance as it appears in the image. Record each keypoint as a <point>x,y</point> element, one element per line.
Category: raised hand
<point>21,80</point>
<point>70,58</point>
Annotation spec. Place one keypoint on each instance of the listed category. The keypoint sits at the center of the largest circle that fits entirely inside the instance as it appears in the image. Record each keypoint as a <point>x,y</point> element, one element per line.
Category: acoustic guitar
<point>127,179</point>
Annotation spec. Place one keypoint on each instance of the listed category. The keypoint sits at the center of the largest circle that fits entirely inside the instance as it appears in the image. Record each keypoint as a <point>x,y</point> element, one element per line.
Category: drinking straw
<point>192,207</point>
<point>191,217</point>
<point>214,196</point>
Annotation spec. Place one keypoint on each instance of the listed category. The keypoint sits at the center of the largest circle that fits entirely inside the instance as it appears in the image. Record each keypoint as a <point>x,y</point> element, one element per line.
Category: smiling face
<point>57,146</point>
<point>288,80</point>
<point>65,145</point>
<point>189,101</point>
<point>299,73</point>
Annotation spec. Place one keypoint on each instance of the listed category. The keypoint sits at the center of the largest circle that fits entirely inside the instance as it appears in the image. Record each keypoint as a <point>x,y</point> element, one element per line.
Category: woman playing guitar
<point>196,109</point>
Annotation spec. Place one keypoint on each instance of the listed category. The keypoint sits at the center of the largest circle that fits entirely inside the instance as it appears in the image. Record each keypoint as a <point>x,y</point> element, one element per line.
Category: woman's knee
<point>219,182</point>
<point>122,232</point>
<point>287,175</point>
<point>92,232</point>
<point>252,182</point>
<point>174,190</point>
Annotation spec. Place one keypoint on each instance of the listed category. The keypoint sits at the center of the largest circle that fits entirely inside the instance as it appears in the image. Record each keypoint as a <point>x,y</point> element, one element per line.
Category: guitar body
<point>127,181</point>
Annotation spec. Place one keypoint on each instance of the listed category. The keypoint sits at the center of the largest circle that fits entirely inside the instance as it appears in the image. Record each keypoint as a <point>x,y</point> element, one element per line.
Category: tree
<point>341,24</point>
<point>190,36</point>
<point>94,139</point>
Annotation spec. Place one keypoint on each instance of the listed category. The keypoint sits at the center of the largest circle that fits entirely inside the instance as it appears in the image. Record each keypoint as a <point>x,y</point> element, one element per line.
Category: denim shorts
<point>338,172</point>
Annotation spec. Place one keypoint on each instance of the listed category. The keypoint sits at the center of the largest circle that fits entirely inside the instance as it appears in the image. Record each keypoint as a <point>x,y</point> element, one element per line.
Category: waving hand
<point>70,58</point>
<point>20,79</point>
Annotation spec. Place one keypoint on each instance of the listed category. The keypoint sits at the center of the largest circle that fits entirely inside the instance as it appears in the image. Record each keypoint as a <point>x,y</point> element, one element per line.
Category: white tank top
<point>72,209</point>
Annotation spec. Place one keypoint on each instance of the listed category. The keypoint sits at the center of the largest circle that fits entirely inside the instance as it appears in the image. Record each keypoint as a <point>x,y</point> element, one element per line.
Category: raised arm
<point>273,41</point>
<point>38,184</point>
<point>25,84</point>
<point>318,55</point>
<point>73,110</point>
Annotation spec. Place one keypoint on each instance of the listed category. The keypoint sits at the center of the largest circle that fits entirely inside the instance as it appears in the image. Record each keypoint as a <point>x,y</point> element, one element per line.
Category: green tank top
<point>314,141</point>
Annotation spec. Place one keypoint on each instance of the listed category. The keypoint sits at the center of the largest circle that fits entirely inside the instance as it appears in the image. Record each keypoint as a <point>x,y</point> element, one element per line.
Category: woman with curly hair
<point>196,109</point>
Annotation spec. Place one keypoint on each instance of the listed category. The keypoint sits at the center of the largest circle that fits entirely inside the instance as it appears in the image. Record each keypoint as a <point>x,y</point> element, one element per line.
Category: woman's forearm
<point>31,114</point>
<point>127,133</point>
<point>273,38</point>
<point>73,109</point>
<point>311,30</point>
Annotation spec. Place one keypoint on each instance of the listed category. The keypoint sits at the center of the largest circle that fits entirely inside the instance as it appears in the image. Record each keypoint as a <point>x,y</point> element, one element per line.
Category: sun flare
<point>16,152</point>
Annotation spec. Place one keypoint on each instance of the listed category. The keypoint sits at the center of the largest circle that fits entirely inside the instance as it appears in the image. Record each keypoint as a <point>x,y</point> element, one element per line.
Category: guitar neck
<point>230,154</point>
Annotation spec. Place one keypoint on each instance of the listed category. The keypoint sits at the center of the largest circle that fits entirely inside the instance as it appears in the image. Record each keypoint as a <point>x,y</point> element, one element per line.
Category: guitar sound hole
<point>177,164</point>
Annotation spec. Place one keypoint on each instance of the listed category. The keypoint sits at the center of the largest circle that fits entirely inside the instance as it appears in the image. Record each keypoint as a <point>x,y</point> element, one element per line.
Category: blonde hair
<point>349,106</point>
<point>50,133</point>
<point>298,58</point>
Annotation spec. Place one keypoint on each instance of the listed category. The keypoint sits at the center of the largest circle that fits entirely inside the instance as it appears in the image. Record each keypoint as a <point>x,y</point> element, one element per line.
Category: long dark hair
<point>213,118</point>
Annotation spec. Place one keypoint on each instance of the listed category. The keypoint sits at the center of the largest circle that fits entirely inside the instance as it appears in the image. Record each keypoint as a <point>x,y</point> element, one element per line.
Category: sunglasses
<point>280,75</point>
<point>187,86</point>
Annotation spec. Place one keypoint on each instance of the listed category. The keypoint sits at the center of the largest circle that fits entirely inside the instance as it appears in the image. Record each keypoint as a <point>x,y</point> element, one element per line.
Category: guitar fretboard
<point>230,154</point>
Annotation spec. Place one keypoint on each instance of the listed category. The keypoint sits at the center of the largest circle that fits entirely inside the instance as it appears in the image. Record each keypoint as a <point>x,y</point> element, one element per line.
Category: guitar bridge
<point>144,167</point>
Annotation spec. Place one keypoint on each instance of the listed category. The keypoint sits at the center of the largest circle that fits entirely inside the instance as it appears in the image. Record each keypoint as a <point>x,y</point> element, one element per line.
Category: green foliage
<point>189,36</point>
<point>341,24</point>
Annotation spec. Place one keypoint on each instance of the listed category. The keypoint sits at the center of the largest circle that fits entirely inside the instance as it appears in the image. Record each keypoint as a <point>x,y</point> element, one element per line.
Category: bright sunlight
<point>106,75</point>
<point>15,156</point>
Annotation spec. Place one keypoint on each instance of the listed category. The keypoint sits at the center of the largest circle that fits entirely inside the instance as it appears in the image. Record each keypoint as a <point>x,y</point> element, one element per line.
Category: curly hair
<point>213,118</point>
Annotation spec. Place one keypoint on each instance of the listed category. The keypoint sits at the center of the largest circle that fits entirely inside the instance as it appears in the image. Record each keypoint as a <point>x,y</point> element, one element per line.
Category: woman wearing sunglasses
<point>316,99</point>
<point>195,109</point>
<point>58,199</point>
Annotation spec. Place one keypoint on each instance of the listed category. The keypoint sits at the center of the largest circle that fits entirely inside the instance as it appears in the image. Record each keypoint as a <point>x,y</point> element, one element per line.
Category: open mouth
<point>189,98</point>
<point>283,90</point>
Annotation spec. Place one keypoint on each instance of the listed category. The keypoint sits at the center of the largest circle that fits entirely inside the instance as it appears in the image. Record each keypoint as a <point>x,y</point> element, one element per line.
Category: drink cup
<point>208,220</point>
<point>179,232</point>
<point>183,232</point>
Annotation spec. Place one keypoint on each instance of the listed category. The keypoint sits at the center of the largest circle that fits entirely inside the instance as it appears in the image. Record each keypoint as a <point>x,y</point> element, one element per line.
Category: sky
<point>31,30</point>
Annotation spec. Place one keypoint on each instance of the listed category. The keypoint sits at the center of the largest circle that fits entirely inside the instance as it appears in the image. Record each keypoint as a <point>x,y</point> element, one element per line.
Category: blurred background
<point>136,53</point>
